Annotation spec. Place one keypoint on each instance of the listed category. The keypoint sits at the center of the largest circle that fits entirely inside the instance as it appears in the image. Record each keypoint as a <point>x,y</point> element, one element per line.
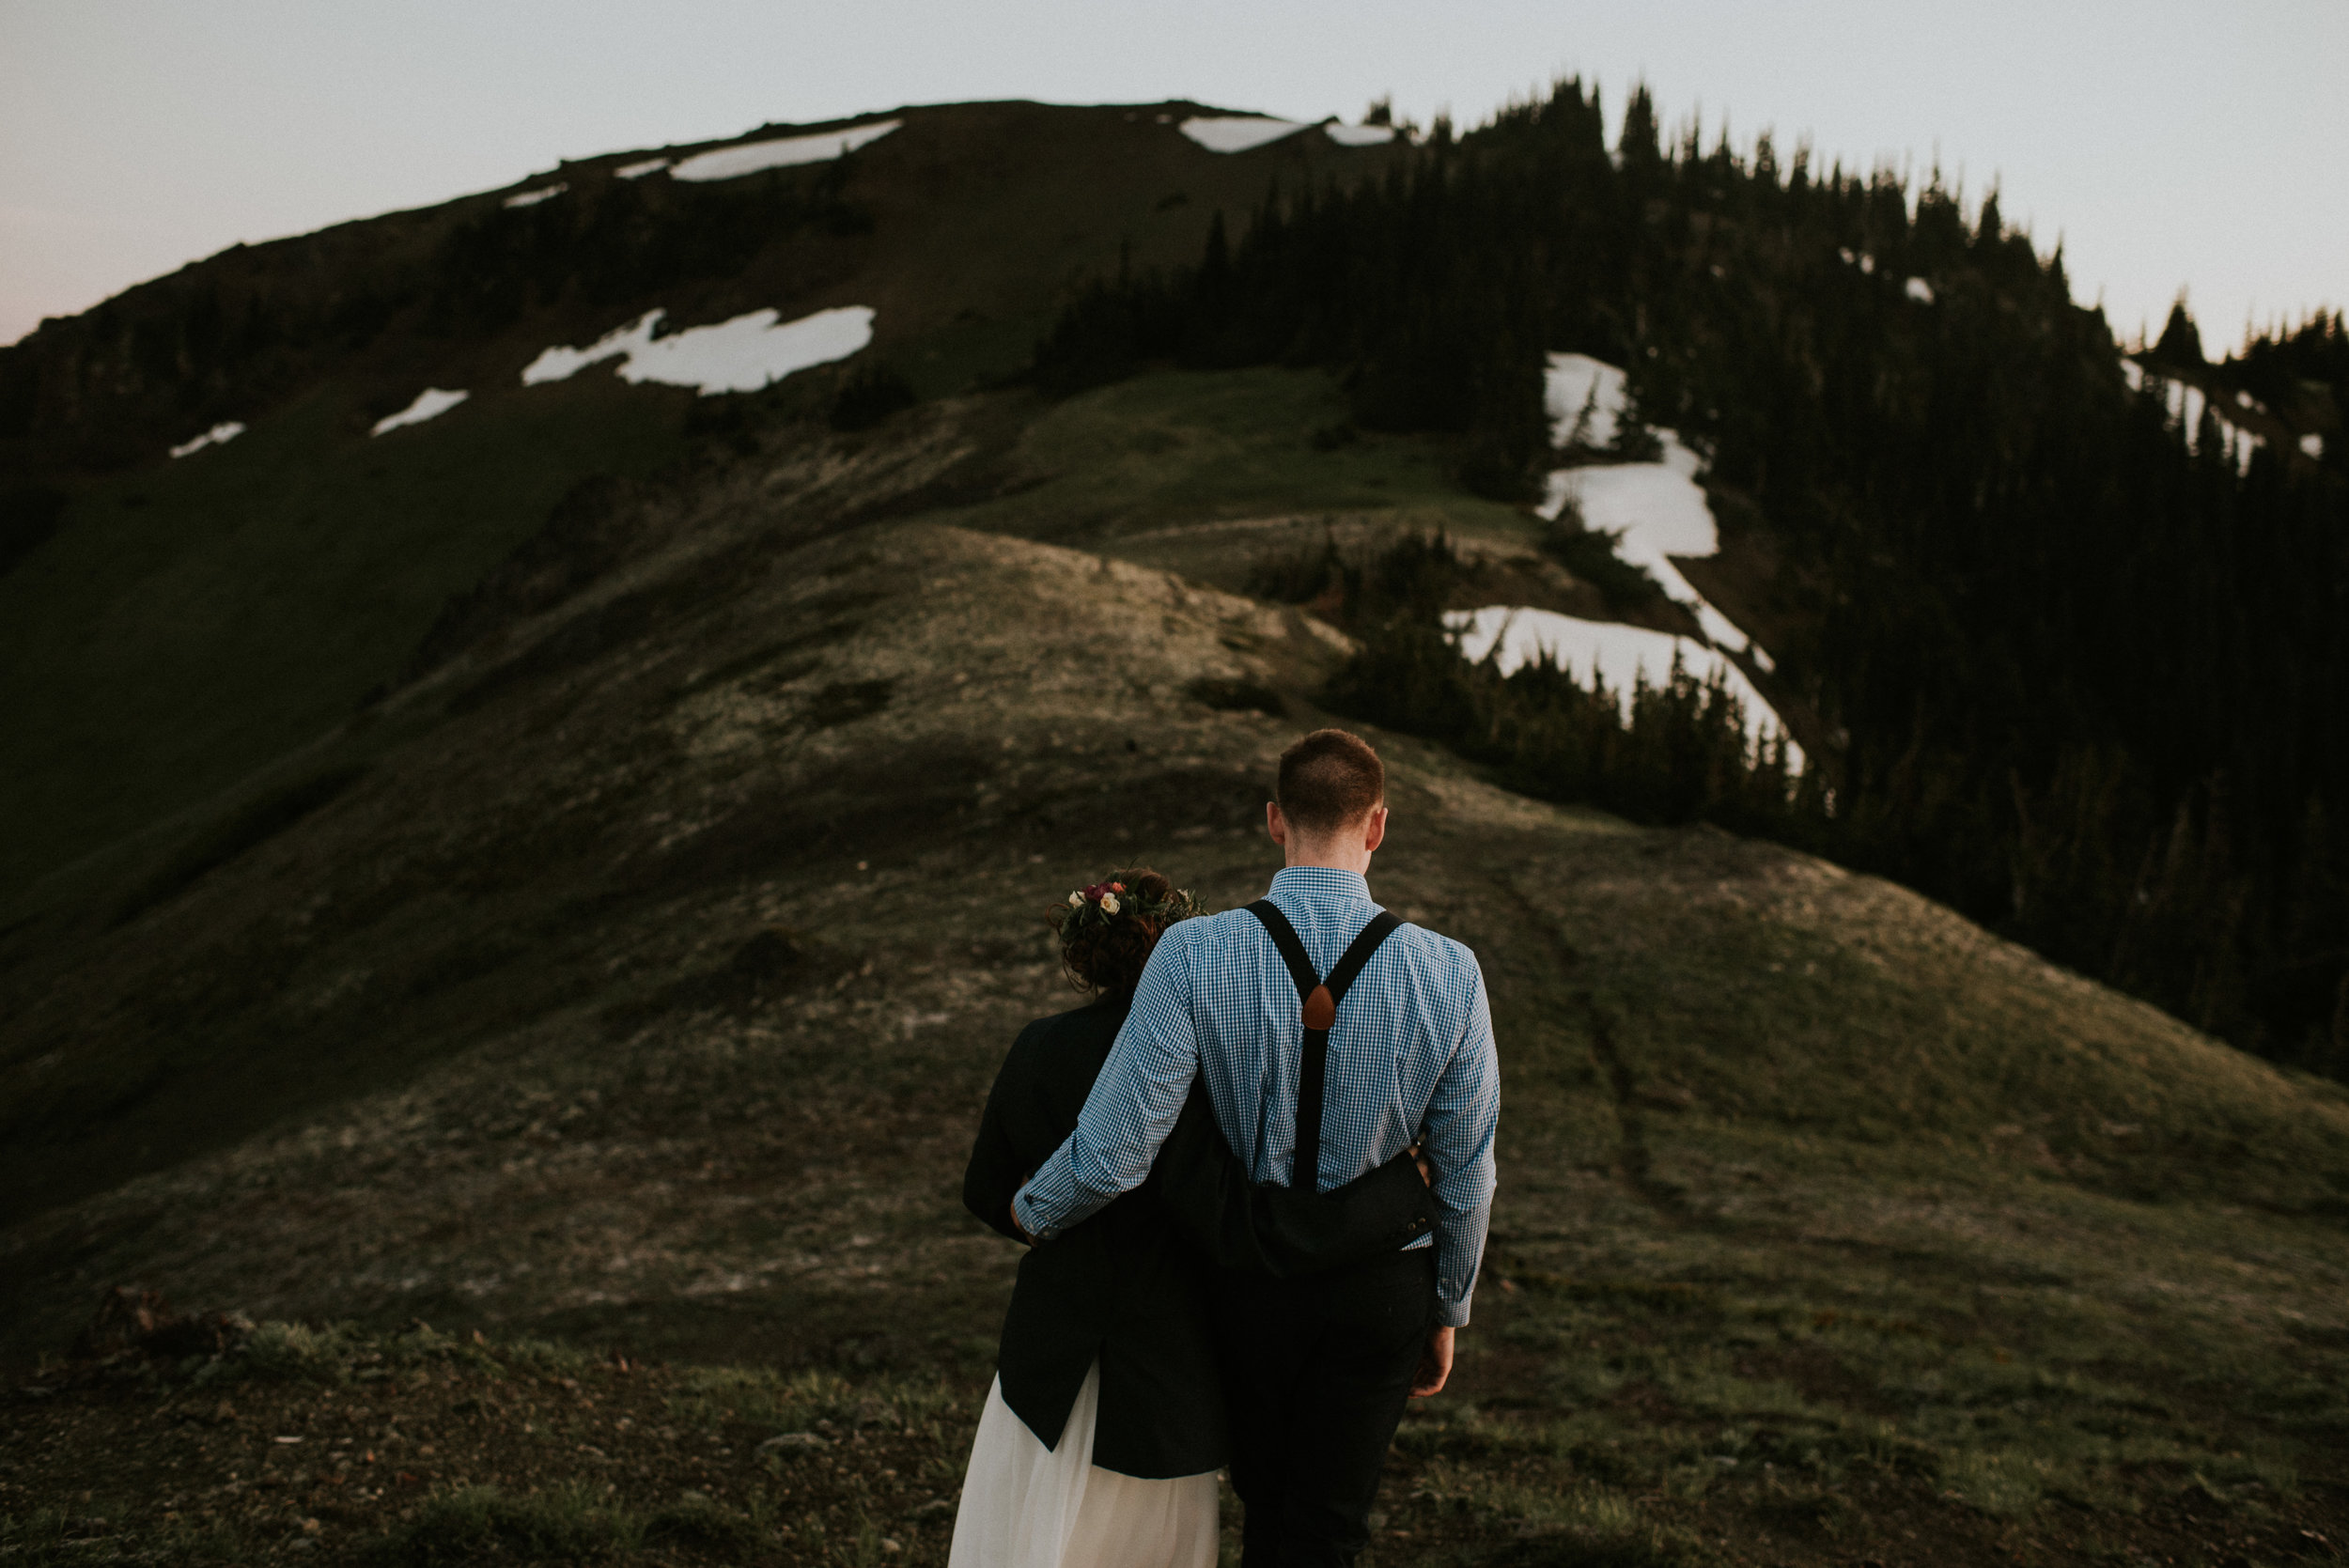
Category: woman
<point>1104,1430</point>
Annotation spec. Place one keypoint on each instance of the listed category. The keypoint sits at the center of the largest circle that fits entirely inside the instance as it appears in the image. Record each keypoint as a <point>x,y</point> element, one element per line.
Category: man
<point>1318,1369</point>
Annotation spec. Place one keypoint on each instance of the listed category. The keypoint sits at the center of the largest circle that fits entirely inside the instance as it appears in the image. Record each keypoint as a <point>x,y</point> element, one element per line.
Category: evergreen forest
<point>2080,670</point>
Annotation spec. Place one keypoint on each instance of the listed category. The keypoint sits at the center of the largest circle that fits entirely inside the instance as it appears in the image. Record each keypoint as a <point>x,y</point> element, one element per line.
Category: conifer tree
<point>2180,342</point>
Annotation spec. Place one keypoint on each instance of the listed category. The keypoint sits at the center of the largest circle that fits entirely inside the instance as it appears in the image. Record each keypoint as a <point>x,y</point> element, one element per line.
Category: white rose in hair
<point>1108,903</point>
<point>1076,899</point>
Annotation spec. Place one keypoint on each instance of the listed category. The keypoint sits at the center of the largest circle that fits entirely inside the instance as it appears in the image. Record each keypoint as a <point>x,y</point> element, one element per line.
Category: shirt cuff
<point>1043,1205</point>
<point>1451,1314</point>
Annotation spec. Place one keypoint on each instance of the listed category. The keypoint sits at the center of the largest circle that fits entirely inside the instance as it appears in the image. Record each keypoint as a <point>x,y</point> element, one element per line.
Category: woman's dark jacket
<point>1129,1285</point>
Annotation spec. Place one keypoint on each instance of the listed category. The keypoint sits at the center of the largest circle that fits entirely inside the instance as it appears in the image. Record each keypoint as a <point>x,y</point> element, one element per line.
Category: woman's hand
<point>1418,1158</point>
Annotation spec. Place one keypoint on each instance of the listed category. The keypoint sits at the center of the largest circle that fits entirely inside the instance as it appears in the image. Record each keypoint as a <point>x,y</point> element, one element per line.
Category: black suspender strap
<point>1284,935</point>
<point>1318,1001</point>
<point>1358,954</point>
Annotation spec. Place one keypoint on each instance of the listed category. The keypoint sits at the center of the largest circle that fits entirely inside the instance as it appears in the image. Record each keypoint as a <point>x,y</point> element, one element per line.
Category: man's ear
<point>1275,824</point>
<point>1376,833</point>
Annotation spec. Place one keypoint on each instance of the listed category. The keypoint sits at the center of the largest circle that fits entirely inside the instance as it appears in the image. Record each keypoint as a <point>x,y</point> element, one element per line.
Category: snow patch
<point>1657,510</point>
<point>1722,633</point>
<point>1357,135</point>
<point>1621,657</point>
<point>561,364</point>
<point>743,354</point>
<point>638,171</point>
<point>1238,132</point>
<point>532,198</point>
<point>227,430</point>
<point>751,351</point>
<point>1919,291</point>
<point>2314,445</point>
<point>2184,404</point>
<point>1581,396</point>
<point>732,162</point>
<point>430,404</point>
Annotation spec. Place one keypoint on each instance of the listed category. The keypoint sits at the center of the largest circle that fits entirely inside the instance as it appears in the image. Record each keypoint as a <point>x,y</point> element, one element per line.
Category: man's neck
<point>1347,847</point>
<point>1319,859</point>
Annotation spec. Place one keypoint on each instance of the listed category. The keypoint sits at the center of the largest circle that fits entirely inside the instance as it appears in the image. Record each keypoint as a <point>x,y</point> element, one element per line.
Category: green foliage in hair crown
<point>1106,901</point>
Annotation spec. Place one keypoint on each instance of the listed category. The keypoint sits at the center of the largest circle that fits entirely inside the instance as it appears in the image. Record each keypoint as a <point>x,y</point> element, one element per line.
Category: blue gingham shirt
<point>1411,1054</point>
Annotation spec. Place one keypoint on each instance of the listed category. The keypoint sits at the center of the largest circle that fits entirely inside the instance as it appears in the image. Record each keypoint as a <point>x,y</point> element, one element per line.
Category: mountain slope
<point>188,619</point>
<point>645,985</point>
<point>588,895</point>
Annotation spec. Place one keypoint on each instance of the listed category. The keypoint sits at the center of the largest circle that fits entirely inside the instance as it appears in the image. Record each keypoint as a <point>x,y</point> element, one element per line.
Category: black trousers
<point>1317,1372</point>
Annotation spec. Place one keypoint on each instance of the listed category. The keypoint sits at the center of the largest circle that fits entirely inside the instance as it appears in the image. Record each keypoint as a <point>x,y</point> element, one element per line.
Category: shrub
<point>1591,555</point>
<point>870,394</point>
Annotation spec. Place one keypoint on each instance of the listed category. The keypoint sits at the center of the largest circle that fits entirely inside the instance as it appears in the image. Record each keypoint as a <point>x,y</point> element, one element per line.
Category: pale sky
<point>2200,144</point>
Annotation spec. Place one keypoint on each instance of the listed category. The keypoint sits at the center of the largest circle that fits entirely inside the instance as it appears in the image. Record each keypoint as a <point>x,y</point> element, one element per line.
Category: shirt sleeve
<point>1133,1106</point>
<point>1461,1118</point>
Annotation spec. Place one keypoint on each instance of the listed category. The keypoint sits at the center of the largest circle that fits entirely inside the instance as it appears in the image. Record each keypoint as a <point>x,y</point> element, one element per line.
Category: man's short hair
<point>1328,780</point>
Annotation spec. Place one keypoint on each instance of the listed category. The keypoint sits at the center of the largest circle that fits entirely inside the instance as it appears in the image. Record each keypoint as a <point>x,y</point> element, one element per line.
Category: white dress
<point>1027,1506</point>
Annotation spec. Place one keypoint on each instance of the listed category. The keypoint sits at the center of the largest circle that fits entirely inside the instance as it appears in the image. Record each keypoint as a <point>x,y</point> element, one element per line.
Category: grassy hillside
<point>643,988</point>
<point>190,620</point>
<point>589,928</point>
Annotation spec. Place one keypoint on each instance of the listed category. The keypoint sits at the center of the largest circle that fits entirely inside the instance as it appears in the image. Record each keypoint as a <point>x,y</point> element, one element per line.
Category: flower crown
<point>1105,902</point>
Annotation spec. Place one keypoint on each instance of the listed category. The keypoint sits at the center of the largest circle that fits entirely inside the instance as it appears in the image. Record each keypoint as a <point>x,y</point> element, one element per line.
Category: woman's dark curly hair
<point>1107,930</point>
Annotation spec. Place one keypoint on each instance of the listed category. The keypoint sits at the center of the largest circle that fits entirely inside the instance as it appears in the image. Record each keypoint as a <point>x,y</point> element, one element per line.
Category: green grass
<point>194,620</point>
<point>1747,1398</point>
<point>1824,1217</point>
<point>1181,446</point>
<point>1896,1027</point>
<point>1799,1371</point>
